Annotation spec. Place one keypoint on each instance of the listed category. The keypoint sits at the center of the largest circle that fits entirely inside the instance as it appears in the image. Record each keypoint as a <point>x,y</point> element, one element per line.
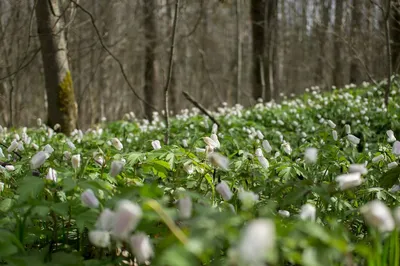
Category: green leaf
<point>68,184</point>
<point>390,177</point>
<point>5,205</point>
<point>61,208</point>
<point>29,187</point>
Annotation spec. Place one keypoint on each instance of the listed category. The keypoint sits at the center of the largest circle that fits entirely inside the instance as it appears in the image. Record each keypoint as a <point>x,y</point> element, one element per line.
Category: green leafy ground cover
<point>166,206</point>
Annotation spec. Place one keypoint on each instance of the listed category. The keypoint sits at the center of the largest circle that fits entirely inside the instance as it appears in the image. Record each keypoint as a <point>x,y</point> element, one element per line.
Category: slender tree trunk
<point>62,107</point>
<point>272,15</point>
<point>238,50</point>
<point>395,34</point>
<point>150,82</point>
<point>356,15</point>
<point>323,36</point>
<point>258,36</point>
<point>337,48</point>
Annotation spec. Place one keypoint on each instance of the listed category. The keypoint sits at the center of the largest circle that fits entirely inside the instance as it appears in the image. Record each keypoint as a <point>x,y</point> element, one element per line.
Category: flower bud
<point>2,154</point>
<point>13,146</point>
<point>48,149</point>
<point>67,155</point>
<point>396,148</point>
<point>218,160</point>
<point>248,198</point>
<point>391,137</point>
<point>156,144</point>
<point>10,167</point>
<point>99,239</point>
<point>378,158</point>
<point>71,145</point>
<point>141,247</point>
<point>284,213</point>
<point>286,148</point>
<point>116,168</point>
<point>117,144</point>
<point>347,129</point>
<point>308,212</point>
<point>52,175</point>
<point>358,168</point>
<point>89,199</point>
<point>214,129</point>
<point>331,124</point>
<point>266,146</point>
<point>214,137</point>
<point>334,135</point>
<point>185,207</point>
<point>210,142</point>
<point>1,186</point>
<point>224,190</point>
<point>353,139</point>
<point>38,159</point>
<point>76,161</point>
<point>185,143</point>
<point>311,155</point>
<point>105,221</point>
<point>127,217</point>
<point>351,180</point>
<point>392,165</point>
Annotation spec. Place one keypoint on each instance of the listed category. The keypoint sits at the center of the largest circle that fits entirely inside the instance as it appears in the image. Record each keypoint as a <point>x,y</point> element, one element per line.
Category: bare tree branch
<point>201,107</point>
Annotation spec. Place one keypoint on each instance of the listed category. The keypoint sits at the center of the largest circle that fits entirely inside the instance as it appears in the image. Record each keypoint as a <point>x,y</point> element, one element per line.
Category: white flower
<point>224,190</point>
<point>378,158</point>
<point>258,152</point>
<point>13,146</point>
<point>71,145</point>
<point>219,160</point>
<point>256,241</point>
<point>391,137</point>
<point>185,207</point>
<point>308,212</point>
<point>392,165</point>
<point>76,161</point>
<point>200,150</point>
<point>188,167</point>
<point>347,181</point>
<point>284,213</point>
<point>214,137</point>
<point>35,146</point>
<point>51,175</point>
<point>378,215</point>
<point>331,124</point>
<point>214,129</point>
<point>248,198</point>
<point>185,143</point>
<point>38,159</point>
<point>260,135</point>
<point>99,238</point>
<point>10,167</point>
<point>117,144</point>
<point>358,168</point>
<point>353,139</point>
<point>127,217</point>
<point>263,161</point>
<point>210,142</point>
<point>334,135</point>
<point>286,148</point>
<point>141,247</point>
<point>394,188</point>
<point>311,155</point>
<point>396,148</point>
<point>105,221</point>
<point>116,168</point>
<point>67,155</point>
<point>98,159</point>
<point>1,186</point>
<point>57,126</point>
<point>266,146</point>
<point>347,129</point>
<point>156,144</point>
<point>48,149</point>
<point>2,154</point>
<point>89,199</point>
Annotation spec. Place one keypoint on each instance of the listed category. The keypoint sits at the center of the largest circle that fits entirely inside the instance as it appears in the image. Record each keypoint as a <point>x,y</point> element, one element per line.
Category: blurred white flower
<point>219,160</point>
<point>260,135</point>
<point>71,145</point>
<point>396,148</point>
<point>38,159</point>
<point>1,186</point>
<point>117,144</point>
<point>378,215</point>
<point>89,199</point>
<point>334,135</point>
<point>51,175</point>
<point>353,139</point>
<point>214,129</point>
<point>13,146</point>
<point>99,238</point>
<point>331,124</point>
<point>263,161</point>
<point>185,143</point>
<point>248,198</point>
<point>105,221</point>
<point>116,168</point>
<point>391,138</point>
<point>76,161</point>
<point>67,155</point>
<point>358,168</point>
<point>214,137</point>
<point>188,167</point>
<point>308,212</point>
<point>266,146</point>
<point>141,247</point>
<point>2,154</point>
<point>392,165</point>
<point>210,142</point>
<point>256,241</point>
<point>185,207</point>
<point>48,149</point>
<point>284,213</point>
<point>9,167</point>
<point>156,144</point>
<point>347,129</point>
<point>347,181</point>
<point>35,146</point>
<point>378,158</point>
<point>286,148</point>
<point>311,155</point>
<point>127,217</point>
<point>224,190</point>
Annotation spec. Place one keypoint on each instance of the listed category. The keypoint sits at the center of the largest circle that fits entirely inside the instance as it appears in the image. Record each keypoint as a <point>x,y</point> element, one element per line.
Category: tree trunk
<point>395,34</point>
<point>356,14</point>
<point>258,35</point>
<point>272,16</point>
<point>337,48</point>
<point>150,82</point>
<point>62,107</point>
<point>323,36</point>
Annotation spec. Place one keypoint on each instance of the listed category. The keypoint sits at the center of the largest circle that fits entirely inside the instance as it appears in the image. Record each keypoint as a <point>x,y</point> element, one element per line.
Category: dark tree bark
<point>322,40</point>
<point>395,35</point>
<point>62,107</point>
<point>150,76</point>
<point>356,15</point>
<point>337,48</point>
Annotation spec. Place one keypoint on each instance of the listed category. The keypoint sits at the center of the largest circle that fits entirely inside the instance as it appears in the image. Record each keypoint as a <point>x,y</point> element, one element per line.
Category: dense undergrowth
<point>263,190</point>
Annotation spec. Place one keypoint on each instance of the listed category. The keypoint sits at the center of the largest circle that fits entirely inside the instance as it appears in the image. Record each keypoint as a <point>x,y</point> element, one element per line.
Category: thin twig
<point>170,66</point>
<point>121,67</point>
<point>388,52</point>
<point>202,109</point>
